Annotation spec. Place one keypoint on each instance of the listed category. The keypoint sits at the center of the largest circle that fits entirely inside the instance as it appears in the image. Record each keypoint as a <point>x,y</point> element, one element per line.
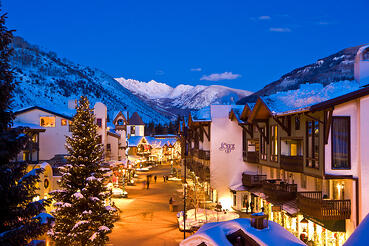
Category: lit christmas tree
<point>81,214</point>
<point>22,218</point>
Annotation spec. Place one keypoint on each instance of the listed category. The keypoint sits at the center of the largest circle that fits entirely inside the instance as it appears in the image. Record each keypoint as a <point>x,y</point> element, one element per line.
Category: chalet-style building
<point>306,167</point>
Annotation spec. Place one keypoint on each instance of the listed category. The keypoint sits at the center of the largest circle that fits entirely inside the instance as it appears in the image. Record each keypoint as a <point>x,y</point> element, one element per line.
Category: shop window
<point>64,122</point>
<point>47,121</point>
<point>99,122</point>
<point>341,142</point>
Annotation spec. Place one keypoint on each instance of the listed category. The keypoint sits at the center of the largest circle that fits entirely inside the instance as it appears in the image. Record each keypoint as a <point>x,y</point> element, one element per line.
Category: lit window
<point>47,121</point>
<point>64,122</point>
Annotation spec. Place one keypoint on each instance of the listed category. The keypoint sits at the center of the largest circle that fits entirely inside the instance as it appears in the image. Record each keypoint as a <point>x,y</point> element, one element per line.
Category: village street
<point>145,218</point>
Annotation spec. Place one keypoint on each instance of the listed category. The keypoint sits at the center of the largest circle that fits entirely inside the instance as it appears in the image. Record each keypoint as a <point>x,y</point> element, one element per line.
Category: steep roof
<point>133,141</point>
<point>67,114</point>
<point>135,120</point>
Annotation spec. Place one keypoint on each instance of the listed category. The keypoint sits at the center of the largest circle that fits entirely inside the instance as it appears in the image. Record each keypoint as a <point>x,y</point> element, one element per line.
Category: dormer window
<point>47,121</point>
<point>133,129</point>
<point>120,122</point>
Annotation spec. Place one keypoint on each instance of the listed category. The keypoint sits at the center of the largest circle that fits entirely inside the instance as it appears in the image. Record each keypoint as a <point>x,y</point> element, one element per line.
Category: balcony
<point>253,179</point>
<point>31,146</point>
<point>204,154</point>
<point>280,191</point>
<point>292,163</point>
<point>312,204</point>
<point>252,157</point>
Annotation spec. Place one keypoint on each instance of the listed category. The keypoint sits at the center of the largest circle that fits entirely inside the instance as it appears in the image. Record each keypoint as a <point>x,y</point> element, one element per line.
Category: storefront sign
<point>276,209</point>
<point>227,147</point>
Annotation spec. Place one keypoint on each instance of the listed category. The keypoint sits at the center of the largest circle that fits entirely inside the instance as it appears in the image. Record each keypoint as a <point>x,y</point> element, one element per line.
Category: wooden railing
<point>253,179</point>
<point>281,191</point>
<point>292,163</point>
<point>252,157</point>
<point>312,204</point>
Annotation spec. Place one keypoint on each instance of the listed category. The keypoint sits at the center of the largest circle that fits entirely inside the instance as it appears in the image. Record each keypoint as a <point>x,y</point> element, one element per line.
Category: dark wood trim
<point>327,124</point>
<point>349,142</point>
<point>204,131</point>
<point>313,118</point>
<point>284,128</point>
<point>246,128</point>
<point>264,135</point>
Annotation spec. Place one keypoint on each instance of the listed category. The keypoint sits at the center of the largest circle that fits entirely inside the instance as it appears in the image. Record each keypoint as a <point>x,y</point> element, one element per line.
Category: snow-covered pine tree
<point>81,216</point>
<point>22,219</point>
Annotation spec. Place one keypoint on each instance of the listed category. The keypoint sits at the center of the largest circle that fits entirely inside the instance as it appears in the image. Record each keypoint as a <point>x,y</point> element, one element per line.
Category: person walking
<point>171,204</point>
<point>155,178</point>
<point>164,179</point>
<point>148,184</point>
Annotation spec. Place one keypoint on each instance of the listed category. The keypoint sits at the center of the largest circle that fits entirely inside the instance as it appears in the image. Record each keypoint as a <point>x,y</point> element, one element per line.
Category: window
<point>263,153</point>
<point>99,139</point>
<point>312,144</point>
<point>120,122</point>
<point>99,122</point>
<point>244,142</point>
<point>64,122</point>
<point>234,199</point>
<point>341,142</point>
<point>303,181</point>
<point>26,156</point>
<point>274,143</point>
<point>133,129</point>
<point>108,147</point>
<point>291,147</point>
<point>297,122</point>
<point>47,121</point>
<point>70,125</point>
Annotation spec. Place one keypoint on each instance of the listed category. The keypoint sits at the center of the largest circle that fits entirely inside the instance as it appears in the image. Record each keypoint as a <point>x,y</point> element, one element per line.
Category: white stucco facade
<point>226,164</point>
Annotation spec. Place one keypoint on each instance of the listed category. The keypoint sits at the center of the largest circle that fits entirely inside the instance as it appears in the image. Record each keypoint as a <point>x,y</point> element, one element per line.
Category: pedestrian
<point>164,179</point>
<point>171,204</point>
<point>143,184</point>
<point>148,184</point>
<point>247,206</point>
<point>155,178</point>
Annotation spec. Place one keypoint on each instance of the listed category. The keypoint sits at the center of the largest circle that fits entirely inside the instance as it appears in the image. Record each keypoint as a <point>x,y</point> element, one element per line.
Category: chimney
<point>72,103</point>
<point>259,221</point>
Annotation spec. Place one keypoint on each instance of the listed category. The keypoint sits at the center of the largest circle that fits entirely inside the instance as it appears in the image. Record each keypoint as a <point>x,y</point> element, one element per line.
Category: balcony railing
<point>292,163</point>
<point>312,204</point>
<point>280,191</point>
<point>252,157</point>
<point>253,179</point>
<point>30,145</point>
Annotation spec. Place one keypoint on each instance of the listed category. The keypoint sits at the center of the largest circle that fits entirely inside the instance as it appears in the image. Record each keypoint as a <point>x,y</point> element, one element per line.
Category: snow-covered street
<point>145,218</point>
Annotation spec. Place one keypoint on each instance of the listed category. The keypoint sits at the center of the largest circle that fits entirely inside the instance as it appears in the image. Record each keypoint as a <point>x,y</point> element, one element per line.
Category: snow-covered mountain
<point>182,98</point>
<point>329,72</point>
<point>48,81</point>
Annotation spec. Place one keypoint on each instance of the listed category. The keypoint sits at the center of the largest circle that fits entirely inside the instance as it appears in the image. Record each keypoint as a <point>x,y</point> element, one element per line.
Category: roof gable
<point>135,120</point>
<point>69,117</point>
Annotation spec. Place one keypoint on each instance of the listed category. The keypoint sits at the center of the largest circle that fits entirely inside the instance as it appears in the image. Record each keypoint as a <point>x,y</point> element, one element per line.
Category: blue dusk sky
<point>237,43</point>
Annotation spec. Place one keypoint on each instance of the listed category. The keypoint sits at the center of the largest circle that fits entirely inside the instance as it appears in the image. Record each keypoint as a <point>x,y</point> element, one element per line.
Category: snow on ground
<point>203,216</point>
<point>307,95</point>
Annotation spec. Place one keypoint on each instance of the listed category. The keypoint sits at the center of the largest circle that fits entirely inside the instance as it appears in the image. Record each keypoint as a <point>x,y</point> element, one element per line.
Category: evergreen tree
<point>22,219</point>
<point>81,217</point>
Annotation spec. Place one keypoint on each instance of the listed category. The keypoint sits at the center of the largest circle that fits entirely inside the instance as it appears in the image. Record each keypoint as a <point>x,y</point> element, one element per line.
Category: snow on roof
<point>237,110</point>
<point>216,234</point>
<point>359,236</point>
<point>201,115</point>
<point>251,105</point>
<point>24,124</point>
<point>306,96</point>
<point>63,112</point>
<point>133,141</point>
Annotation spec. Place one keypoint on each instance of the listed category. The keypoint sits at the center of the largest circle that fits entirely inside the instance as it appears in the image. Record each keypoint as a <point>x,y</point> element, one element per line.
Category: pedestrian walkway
<point>145,217</point>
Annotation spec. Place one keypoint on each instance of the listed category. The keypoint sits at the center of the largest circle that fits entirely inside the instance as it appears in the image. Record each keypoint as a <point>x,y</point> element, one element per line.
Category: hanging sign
<point>227,147</point>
